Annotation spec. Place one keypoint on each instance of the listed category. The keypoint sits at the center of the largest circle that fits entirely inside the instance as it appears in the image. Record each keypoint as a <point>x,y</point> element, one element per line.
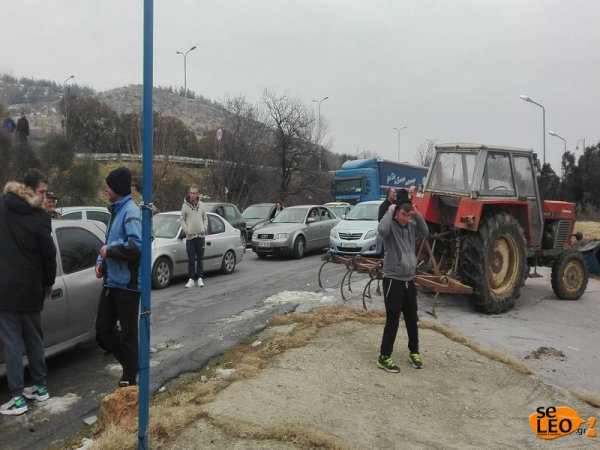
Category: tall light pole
<point>577,144</point>
<point>552,133</point>
<point>399,130</point>
<point>66,102</point>
<point>527,99</point>
<point>185,76</point>
<point>318,102</point>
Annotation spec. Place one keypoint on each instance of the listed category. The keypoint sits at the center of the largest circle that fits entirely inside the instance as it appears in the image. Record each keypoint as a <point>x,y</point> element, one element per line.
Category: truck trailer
<point>361,180</point>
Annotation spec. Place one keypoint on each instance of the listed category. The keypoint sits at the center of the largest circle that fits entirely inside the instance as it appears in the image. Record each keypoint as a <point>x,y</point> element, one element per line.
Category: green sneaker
<point>387,363</point>
<point>415,359</point>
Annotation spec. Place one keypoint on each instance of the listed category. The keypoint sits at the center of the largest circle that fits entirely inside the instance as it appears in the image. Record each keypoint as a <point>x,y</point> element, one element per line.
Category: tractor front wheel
<point>494,263</point>
<point>569,275</point>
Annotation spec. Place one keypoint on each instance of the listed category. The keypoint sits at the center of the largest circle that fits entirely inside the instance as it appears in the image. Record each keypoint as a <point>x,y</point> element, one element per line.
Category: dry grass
<point>179,407</point>
<point>590,230</point>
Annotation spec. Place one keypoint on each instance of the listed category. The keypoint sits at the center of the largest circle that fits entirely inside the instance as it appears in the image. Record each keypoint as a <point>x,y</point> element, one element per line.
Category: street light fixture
<point>552,133</point>
<point>577,144</point>
<point>66,101</point>
<point>399,130</point>
<point>527,99</point>
<point>318,102</point>
<point>185,76</point>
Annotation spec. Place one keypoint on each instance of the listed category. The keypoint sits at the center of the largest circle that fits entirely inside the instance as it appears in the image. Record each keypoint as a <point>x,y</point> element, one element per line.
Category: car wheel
<point>161,273</point>
<point>298,247</point>
<point>228,265</point>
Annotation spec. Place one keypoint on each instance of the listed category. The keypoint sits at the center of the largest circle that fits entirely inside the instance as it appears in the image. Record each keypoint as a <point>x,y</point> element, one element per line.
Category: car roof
<point>303,206</point>
<point>82,208</point>
<point>371,202</point>
<point>336,204</point>
<point>261,204</point>
<point>178,213</point>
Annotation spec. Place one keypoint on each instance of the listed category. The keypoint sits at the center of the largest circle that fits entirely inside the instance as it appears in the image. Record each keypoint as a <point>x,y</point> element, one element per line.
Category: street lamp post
<point>527,99</point>
<point>552,133</point>
<point>65,97</point>
<point>318,102</point>
<point>185,77</point>
<point>399,130</point>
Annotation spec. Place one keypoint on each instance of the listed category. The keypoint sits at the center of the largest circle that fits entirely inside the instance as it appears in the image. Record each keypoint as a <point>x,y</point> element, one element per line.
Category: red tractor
<point>490,229</point>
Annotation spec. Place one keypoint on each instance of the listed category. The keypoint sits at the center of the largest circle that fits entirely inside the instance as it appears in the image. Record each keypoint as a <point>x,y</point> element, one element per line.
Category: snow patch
<point>306,300</point>
<point>56,405</point>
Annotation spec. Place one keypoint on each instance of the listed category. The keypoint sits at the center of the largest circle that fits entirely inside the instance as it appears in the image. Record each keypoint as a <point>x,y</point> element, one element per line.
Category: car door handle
<point>56,293</point>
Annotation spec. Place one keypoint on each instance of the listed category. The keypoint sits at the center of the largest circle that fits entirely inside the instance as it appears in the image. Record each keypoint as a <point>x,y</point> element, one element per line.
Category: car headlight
<point>282,235</point>
<point>334,234</point>
<point>371,234</point>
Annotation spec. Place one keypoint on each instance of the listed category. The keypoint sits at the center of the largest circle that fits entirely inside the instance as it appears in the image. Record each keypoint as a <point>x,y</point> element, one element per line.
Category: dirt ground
<point>330,394</point>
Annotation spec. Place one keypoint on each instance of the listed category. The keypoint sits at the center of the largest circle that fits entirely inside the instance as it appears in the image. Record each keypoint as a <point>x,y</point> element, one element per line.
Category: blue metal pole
<point>147,152</point>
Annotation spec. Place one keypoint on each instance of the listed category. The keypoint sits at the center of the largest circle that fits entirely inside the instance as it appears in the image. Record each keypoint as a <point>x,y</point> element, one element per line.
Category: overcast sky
<point>450,70</point>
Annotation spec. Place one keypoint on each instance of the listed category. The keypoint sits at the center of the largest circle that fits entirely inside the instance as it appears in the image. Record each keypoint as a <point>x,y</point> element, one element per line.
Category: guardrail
<point>135,157</point>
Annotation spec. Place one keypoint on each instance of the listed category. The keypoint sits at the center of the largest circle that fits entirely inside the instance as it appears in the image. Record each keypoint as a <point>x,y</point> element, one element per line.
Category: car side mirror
<point>181,235</point>
<point>310,220</point>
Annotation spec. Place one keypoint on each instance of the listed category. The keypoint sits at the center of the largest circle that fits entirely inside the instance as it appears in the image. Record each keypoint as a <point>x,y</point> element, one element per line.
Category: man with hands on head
<point>400,227</point>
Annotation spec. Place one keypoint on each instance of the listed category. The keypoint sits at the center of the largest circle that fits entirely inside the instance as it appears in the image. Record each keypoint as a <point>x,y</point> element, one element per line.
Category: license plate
<point>264,244</point>
<point>349,245</point>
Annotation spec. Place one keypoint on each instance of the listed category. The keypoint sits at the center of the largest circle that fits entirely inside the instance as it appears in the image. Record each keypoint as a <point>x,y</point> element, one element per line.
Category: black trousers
<point>122,341</point>
<point>195,253</point>
<point>399,297</point>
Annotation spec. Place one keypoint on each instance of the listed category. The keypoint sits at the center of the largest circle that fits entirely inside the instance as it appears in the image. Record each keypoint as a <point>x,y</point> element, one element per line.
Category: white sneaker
<point>39,393</point>
<point>14,407</point>
<point>190,283</point>
<point>200,282</point>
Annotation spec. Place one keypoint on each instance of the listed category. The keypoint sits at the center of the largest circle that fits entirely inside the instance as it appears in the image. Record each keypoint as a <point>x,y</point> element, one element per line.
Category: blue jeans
<point>18,329</point>
<point>195,253</point>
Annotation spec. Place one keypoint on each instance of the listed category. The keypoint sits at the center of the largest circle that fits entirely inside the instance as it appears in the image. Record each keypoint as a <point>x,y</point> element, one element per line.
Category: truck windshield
<point>452,171</point>
<point>347,186</point>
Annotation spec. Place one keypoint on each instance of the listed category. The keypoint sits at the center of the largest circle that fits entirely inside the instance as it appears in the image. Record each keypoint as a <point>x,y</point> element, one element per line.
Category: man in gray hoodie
<point>400,227</point>
<point>194,223</point>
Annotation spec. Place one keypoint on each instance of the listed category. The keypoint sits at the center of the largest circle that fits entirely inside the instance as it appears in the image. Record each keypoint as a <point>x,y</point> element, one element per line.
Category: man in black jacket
<point>389,200</point>
<point>27,272</point>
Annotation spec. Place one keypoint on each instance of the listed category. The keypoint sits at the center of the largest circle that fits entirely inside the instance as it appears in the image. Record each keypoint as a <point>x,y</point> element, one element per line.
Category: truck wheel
<point>298,248</point>
<point>569,275</point>
<point>494,262</point>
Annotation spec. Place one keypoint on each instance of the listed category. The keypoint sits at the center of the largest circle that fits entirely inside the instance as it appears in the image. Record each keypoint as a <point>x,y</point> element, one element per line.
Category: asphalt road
<point>190,326</point>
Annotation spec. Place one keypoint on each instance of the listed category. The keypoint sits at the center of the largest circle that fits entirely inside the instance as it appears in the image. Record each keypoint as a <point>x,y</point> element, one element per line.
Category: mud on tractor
<point>490,230</point>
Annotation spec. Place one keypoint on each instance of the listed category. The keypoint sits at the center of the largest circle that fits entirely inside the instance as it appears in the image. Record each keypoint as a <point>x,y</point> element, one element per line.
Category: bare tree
<point>294,153</point>
<point>425,153</point>
<point>237,152</point>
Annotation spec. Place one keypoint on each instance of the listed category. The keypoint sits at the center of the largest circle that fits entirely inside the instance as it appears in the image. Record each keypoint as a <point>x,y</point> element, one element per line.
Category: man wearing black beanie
<point>119,265</point>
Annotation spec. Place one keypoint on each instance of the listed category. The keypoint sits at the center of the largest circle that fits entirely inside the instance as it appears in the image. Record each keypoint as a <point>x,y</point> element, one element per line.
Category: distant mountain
<point>39,99</point>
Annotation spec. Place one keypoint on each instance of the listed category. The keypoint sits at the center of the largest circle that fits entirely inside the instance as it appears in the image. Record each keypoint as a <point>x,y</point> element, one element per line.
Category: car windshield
<point>257,212</point>
<point>339,211</point>
<point>166,226</point>
<point>452,171</point>
<point>291,215</point>
<point>364,212</point>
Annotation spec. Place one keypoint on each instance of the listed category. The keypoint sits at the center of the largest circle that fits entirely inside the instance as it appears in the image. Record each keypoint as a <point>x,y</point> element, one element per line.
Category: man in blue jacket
<point>400,227</point>
<point>119,264</point>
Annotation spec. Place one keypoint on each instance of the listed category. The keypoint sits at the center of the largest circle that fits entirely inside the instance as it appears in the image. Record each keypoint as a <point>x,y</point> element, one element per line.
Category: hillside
<point>39,99</point>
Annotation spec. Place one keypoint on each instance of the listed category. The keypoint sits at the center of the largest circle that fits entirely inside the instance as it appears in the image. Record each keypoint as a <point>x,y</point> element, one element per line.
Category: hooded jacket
<point>194,220</point>
<point>27,252</point>
<point>400,260</point>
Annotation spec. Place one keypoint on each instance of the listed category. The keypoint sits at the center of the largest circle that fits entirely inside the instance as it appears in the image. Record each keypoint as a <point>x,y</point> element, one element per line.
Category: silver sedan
<point>69,314</point>
<point>296,230</point>
<point>224,247</point>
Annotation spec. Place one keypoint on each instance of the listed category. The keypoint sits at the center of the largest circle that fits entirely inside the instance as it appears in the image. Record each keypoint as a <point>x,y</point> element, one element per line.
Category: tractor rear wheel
<point>494,263</point>
<point>569,275</point>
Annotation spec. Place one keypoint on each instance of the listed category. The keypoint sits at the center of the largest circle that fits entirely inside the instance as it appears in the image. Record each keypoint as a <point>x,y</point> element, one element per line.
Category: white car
<point>224,247</point>
<point>357,233</point>
<point>69,315</point>
<point>99,213</point>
